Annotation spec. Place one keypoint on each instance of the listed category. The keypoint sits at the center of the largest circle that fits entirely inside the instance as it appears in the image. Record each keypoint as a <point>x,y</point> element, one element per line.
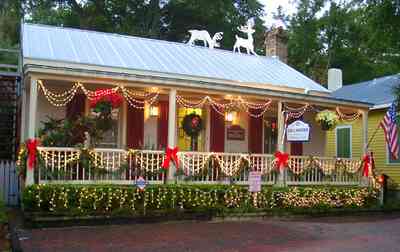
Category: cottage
<point>221,109</point>
<point>345,140</point>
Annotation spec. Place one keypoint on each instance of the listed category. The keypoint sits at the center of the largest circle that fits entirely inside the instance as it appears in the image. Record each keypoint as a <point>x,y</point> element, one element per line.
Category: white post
<point>365,130</point>
<point>281,140</point>
<point>23,114</point>
<point>171,129</point>
<point>124,123</point>
<point>364,113</point>
<point>32,124</point>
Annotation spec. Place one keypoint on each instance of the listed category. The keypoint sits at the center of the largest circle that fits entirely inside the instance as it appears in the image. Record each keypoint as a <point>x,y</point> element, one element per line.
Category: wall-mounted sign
<point>254,181</point>
<point>235,132</point>
<point>298,131</point>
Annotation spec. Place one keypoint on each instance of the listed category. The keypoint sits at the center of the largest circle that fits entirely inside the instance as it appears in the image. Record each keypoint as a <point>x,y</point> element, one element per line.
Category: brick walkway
<point>353,234</point>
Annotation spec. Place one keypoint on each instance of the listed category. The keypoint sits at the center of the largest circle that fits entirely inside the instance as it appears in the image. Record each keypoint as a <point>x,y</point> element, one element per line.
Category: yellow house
<point>346,141</point>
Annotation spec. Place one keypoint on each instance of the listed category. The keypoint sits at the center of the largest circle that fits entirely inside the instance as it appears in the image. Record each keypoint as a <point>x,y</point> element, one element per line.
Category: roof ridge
<point>151,39</point>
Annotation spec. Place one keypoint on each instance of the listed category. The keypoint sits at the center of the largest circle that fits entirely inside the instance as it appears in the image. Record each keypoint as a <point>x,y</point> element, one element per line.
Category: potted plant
<point>327,119</point>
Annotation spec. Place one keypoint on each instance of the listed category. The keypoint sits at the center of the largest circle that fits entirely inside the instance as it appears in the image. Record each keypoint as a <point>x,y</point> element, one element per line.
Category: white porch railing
<point>117,166</point>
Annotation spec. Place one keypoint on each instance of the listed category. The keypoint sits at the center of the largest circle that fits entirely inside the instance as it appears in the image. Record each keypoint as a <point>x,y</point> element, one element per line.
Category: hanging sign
<point>298,131</point>
<point>235,132</point>
<point>141,183</point>
<point>254,181</point>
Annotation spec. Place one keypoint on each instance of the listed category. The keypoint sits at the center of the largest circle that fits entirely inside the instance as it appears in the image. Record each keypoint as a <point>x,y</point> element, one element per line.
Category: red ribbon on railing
<point>281,159</point>
<point>31,145</point>
<point>171,155</point>
<point>366,164</point>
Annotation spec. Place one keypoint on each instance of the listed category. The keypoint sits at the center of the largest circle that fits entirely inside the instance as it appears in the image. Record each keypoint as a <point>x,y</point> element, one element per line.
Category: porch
<point>240,133</point>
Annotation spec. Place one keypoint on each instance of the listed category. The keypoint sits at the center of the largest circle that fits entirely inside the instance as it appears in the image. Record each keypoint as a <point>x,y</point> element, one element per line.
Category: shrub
<point>3,216</point>
<point>129,200</point>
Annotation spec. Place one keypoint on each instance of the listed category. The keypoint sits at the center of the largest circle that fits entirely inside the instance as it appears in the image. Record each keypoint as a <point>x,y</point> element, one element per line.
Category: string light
<point>234,104</point>
<point>348,117</point>
<point>134,99</point>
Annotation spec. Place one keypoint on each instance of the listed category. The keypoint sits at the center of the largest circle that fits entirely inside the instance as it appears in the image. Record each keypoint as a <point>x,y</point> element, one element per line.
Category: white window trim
<point>351,138</point>
<point>387,156</point>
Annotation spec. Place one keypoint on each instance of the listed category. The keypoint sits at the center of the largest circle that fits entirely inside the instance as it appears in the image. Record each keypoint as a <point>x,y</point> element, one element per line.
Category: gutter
<point>173,81</point>
<point>380,106</point>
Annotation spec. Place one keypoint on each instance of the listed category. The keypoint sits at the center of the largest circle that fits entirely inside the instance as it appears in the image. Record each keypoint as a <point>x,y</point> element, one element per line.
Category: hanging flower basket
<point>105,106</point>
<point>327,119</point>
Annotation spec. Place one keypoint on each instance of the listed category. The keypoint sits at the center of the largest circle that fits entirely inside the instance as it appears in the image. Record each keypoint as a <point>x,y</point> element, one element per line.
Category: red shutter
<point>255,134</point>
<point>135,127</point>
<point>217,132</point>
<point>162,130</point>
<point>76,107</point>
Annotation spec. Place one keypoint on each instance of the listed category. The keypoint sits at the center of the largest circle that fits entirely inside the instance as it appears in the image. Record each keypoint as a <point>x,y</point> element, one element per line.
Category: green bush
<point>129,200</point>
<point>3,216</point>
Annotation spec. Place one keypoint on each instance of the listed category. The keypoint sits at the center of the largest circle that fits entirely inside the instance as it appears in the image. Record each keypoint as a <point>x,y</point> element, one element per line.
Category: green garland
<point>192,124</point>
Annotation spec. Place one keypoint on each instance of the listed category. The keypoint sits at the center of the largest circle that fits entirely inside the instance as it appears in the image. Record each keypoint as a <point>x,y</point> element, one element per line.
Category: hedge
<point>89,200</point>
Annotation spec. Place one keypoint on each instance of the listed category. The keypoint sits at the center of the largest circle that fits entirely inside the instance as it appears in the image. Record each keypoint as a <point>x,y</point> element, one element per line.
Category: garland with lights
<point>237,103</point>
<point>89,200</point>
<point>134,99</point>
<point>193,166</point>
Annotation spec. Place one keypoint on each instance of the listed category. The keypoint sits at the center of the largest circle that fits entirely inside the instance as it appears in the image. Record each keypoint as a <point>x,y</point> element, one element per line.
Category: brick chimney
<point>276,43</point>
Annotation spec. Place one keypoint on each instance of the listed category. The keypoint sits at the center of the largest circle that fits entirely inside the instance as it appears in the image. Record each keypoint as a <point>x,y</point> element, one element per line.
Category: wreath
<point>192,125</point>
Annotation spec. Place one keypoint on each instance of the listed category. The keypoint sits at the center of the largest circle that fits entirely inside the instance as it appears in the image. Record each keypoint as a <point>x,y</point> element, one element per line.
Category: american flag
<point>389,126</point>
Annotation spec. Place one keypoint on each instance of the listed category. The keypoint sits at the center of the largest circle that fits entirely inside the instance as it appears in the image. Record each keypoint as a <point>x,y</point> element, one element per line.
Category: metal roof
<point>378,91</point>
<point>84,47</point>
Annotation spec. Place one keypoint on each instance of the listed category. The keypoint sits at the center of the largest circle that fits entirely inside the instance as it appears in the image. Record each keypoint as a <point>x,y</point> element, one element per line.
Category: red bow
<point>31,145</point>
<point>367,163</point>
<point>281,159</point>
<point>171,154</point>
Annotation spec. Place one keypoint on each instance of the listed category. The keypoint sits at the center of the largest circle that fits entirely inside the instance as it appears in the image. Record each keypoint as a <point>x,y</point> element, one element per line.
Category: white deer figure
<point>245,43</point>
<point>205,37</point>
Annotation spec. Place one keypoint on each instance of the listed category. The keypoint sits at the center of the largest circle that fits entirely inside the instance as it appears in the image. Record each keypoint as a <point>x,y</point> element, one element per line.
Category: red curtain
<point>162,130</point>
<point>217,131</point>
<point>76,107</point>
<point>135,127</point>
<point>255,133</point>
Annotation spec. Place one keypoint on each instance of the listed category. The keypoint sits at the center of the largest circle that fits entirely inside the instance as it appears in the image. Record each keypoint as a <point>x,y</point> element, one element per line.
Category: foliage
<point>327,119</point>
<point>129,200</point>
<point>349,31</point>
<point>69,133</point>
<point>3,215</point>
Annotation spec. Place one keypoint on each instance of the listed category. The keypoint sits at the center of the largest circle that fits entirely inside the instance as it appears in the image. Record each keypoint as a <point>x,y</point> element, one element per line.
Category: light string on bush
<point>134,99</point>
<point>234,104</point>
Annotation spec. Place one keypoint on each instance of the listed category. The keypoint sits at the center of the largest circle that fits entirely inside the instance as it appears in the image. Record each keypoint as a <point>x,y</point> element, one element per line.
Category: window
<point>390,158</point>
<point>343,142</point>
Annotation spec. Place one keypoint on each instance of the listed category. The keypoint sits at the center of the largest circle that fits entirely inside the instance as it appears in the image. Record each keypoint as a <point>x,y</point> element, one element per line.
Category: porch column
<point>22,129</point>
<point>281,138</point>
<point>365,180</point>
<point>364,115</point>
<point>281,125</point>
<point>171,129</point>
<point>32,124</point>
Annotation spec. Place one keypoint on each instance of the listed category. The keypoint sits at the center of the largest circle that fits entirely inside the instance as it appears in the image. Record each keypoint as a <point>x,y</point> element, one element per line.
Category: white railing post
<point>365,180</point>
<point>32,125</point>
<point>171,130</point>
<point>281,142</point>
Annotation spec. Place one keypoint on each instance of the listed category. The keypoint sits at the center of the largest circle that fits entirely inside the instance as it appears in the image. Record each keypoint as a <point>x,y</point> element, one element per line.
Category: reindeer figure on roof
<point>246,43</point>
<point>205,37</point>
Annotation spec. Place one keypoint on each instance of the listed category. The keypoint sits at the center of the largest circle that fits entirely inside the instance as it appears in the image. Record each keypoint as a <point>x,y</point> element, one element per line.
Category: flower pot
<point>325,126</point>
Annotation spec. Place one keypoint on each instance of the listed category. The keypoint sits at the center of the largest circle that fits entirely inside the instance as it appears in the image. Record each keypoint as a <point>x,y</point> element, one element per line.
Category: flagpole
<point>373,135</point>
